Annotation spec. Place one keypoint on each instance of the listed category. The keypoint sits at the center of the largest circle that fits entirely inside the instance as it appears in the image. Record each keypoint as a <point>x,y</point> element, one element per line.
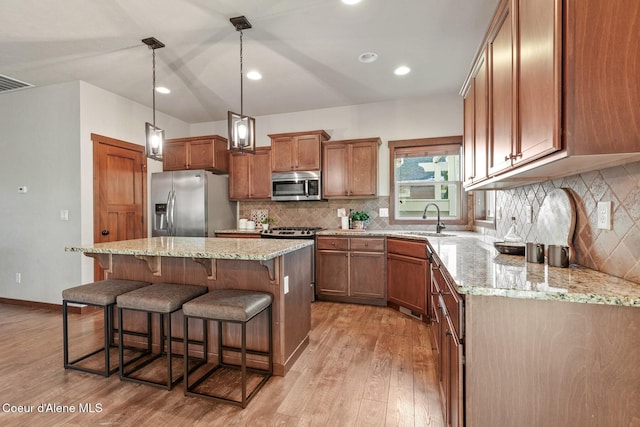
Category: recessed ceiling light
<point>350,2</point>
<point>367,57</point>
<point>402,70</point>
<point>163,90</point>
<point>254,75</point>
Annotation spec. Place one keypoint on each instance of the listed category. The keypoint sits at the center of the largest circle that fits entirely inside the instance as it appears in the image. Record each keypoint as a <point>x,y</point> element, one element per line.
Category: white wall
<point>45,141</point>
<point>403,119</point>
<point>40,146</point>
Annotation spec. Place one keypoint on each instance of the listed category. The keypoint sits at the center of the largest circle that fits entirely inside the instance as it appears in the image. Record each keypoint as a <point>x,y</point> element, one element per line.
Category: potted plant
<point>266,221</point>
<point>359,218</point>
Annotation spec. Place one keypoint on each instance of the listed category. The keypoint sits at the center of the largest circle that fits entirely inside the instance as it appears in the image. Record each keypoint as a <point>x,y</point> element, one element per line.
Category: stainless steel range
<point>297,233</point>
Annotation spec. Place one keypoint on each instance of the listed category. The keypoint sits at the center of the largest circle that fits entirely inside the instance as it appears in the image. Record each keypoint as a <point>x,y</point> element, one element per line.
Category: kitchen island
<point>280,267</point>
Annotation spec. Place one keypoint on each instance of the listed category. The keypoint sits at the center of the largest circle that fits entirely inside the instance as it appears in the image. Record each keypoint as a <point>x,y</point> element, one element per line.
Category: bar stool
<point>99,294</point>
<point>229,306</point>
<point>163,299</point>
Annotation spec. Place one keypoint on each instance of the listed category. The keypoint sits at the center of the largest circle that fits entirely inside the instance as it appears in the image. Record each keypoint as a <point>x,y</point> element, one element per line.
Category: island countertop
<point>475,267</point>
<point>197,247</point>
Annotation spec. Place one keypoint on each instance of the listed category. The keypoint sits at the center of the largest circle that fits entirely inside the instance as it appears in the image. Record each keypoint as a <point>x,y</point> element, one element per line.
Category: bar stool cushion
<point>160,297</point>
<point>228,304</point>
<point>103,292</point>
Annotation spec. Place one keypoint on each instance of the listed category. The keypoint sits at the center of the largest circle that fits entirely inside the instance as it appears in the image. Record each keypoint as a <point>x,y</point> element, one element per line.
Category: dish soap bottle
<point>512,235</point>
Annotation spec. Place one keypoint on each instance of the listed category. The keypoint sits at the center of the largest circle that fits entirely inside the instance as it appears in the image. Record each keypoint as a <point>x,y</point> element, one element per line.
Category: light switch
<point>384,212</point>
<point>286,284</point>
<point>64,215</point>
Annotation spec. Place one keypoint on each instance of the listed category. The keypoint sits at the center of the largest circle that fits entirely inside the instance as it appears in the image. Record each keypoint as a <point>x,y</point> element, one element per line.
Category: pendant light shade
<point>242,129</point>
<point>154,136</point>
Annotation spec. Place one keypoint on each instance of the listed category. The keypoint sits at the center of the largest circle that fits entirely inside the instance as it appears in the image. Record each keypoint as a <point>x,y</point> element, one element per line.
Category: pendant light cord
<point>153,89</point>
<point>241,78</point>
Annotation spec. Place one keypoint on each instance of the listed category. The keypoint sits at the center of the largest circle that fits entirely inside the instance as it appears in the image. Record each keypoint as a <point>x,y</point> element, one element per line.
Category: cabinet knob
<point>449,334</point>
<point>366,244</point>
<point>333,243</point>
<point>105,232</point>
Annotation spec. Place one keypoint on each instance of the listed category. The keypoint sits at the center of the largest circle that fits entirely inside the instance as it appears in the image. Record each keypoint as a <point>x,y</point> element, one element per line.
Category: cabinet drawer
<point>337,243</point>
<point>453,304</point>
<point>367,244</point>
<point>408,248</point>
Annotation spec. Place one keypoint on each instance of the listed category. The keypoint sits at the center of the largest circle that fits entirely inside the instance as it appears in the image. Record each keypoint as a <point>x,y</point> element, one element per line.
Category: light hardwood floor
<point>365,366</point>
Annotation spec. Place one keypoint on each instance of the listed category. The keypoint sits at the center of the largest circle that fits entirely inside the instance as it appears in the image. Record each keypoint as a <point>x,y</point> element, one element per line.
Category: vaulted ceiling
<point>306,50</point>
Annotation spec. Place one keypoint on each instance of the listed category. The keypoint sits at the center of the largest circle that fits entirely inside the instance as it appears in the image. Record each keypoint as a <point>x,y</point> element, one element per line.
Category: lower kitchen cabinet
<point>351,269</point>
<point>407,274</point>
<point>447,323</point>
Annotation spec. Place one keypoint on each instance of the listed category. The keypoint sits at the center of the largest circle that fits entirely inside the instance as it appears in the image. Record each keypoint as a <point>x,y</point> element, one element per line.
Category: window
<point>484,208</point>
<point>427,171</point>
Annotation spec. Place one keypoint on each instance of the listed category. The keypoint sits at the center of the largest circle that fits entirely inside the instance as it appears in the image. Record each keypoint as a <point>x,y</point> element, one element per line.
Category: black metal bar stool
<point>162,299</point>
<point>99,294</point>
<point>229,306</point>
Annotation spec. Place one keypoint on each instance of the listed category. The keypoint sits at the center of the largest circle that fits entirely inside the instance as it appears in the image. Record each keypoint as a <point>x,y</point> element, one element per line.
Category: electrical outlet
<point>286,284</point>
<point>384,212</point>
<point>18,277</point>
<point>528,212</point>
<point>23,189</point>
<point>604,215</point>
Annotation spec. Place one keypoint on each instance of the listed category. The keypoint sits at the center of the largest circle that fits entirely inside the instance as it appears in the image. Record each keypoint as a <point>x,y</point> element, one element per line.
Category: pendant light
<point>154,135</point>
<point>242,129</point>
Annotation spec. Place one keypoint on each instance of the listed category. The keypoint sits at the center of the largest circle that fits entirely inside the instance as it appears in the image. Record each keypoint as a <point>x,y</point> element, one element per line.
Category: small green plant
<point>359,216</point>
<point>268,220</point>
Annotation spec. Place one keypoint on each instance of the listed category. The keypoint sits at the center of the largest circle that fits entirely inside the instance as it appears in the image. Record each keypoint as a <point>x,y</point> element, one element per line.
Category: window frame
<point>427,143</point>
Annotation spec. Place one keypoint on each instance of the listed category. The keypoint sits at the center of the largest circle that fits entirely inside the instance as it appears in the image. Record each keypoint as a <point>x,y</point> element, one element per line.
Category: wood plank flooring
<point>365,366</point>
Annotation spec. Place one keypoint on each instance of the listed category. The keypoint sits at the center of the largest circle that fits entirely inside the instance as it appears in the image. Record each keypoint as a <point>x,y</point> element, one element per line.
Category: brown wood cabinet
<point>351,269</point>
<point>199,152</point>
<point>476,125</point>
<point>350,168</point>
<point>297,151</point>
<point>447,329</point>
<point>559,98</point>
<point>250,175</point>
<point>407,274</point>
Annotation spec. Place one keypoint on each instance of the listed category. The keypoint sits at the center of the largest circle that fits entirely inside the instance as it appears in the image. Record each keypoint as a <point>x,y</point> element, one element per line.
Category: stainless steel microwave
<point>295,186</point>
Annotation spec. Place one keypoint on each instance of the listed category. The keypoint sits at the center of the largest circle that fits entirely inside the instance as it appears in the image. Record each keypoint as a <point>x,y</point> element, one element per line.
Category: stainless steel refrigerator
<point>191,203</point>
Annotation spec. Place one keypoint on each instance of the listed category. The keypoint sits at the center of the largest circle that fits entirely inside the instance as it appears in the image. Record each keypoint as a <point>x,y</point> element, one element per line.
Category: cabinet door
<point>501,100</point>
<point>200,154</point>
<point>469,138</point>
<point>175,156</point>
<point>367,275</point>
<point>335,175</point>
<point>260,174</point>
<point>539,37</point>
<point>282,150</point>
<point>307,153</point>
<point>455,402</point>
<point>363,169</point>
<point>406,282</point>
<point>332,273</point>
<point>481,127</point>
<point>239,181</point>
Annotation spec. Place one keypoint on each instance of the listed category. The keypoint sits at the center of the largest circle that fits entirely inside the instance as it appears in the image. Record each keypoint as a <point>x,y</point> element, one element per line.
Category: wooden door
<point>501,100</point>
<point>335,176</point>
<point>239,176</point>
<point>119,191</point>
<point>260,174</point>
<point>363,169</point>
<point>200,154</point>
<point>282,154</point>
<point>175,156</point>
<point>307,155</point>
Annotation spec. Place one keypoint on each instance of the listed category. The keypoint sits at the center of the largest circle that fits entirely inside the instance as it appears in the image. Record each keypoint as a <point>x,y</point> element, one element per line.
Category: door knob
<point>105,232</point>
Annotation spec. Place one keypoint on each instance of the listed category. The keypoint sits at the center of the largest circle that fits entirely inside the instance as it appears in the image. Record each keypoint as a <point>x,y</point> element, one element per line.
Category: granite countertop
<point>198,247</point>
<point>476,268</point>
<point>255,231</point>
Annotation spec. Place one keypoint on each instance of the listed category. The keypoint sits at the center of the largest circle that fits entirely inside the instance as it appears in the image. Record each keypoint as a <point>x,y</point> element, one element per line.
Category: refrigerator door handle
<point>169,216</point>
<point>173,213</point>
<point>306,188</point>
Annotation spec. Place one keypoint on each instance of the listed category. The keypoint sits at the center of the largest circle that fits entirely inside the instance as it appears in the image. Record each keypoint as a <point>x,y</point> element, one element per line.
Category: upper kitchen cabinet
<point>250,175</point>
<point>560,101</point>
<point>199,152</point>
<point>350,168</point>
<point>297,151</point>
<point>476,124</point>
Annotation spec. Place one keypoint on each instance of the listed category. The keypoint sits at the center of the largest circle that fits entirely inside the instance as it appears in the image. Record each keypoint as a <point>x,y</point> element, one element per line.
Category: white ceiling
<point>307,50</point>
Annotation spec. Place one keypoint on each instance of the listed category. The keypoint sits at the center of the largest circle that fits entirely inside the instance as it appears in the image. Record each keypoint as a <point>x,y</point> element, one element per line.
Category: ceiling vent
<point>7,84</point>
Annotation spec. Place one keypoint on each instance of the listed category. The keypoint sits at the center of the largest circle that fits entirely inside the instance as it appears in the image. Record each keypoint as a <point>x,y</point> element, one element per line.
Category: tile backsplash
<point>616,251</point>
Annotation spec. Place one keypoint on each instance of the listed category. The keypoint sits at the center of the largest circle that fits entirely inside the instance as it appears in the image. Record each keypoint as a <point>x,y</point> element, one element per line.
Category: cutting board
<point>557,220</point>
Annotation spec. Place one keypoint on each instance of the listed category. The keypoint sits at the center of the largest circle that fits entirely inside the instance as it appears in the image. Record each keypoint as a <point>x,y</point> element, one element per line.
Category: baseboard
<point>76,309</point>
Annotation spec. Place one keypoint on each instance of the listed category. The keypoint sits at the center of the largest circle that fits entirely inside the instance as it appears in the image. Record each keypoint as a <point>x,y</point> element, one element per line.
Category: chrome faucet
<point>439,225</point>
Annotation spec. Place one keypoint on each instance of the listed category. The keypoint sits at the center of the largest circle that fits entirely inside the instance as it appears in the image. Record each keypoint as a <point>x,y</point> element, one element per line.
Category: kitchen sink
<point>426,234</point>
